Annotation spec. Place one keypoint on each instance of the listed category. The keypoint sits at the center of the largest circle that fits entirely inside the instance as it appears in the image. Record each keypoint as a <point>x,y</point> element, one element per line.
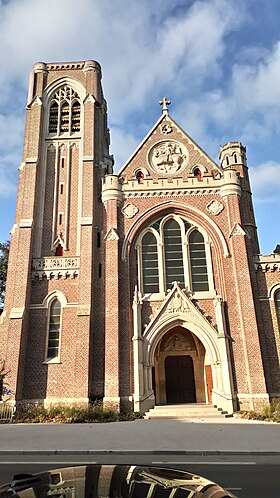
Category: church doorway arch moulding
<point>179,330</point>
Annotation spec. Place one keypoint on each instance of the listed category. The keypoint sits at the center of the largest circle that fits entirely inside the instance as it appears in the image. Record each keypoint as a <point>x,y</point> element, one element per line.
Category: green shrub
<point>269,412</point>
<point>70,414</point>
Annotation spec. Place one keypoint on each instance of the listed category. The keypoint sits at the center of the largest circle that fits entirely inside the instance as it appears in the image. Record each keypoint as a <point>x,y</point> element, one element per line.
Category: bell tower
<point>56,243</point>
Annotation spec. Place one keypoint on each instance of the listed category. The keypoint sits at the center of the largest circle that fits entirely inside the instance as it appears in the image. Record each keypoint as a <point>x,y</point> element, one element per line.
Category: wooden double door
<point>179,380</point>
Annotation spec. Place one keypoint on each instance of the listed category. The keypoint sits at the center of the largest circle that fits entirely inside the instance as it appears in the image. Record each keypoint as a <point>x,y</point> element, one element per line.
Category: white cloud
<point>141,45</point>
<point>249,105</point>
<point>10,153</point>
<point>11,131</point>
<point>147,49</point>
<point>265,182</point>
<point>125,144</point>
<point>138,47</point>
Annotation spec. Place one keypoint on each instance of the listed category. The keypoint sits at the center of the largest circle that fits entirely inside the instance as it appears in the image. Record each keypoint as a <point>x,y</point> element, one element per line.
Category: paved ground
<point>224,435</point>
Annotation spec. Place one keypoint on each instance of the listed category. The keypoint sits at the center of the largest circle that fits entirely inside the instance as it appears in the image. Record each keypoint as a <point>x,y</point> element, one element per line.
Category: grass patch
<point>269,412</point>
<point>74,414</point>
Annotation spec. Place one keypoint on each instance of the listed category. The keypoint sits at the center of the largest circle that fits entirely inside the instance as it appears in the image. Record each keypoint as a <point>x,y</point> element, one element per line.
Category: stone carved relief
<point>112,234</point>
<point>166,128</point>
<point>168,157</point>
<point>177,304</point>
<point>215,207</point>
<point>52,263</point>
<point>177,343</point>
<point>237,230</point>
<point>129,210</point>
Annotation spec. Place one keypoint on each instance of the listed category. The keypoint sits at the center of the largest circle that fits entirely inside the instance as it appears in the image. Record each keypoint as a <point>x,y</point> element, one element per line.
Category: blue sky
<point>218,61</point>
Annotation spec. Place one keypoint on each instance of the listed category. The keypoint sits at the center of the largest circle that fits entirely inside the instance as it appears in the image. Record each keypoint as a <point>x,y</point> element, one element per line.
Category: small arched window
<point>235,158</point>
<point>139,176</point>
<point>174,265</point>
<point>54,329</point>
<point>277,305</point>
<point>198,174</point>
<point>150,263</point>
<point>198,262</point>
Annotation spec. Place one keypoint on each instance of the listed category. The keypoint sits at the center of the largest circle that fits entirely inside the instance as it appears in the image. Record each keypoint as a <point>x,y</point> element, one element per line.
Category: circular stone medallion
<point>168,157</point>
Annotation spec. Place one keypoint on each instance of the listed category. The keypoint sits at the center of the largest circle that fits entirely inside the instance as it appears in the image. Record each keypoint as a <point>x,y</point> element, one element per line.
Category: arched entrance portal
<point>180,363</point>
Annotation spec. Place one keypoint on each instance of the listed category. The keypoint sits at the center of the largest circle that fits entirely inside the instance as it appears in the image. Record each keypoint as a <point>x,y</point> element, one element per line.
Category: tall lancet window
<point>199,274</point>
<point>150,263</point>
<point>174,265</point>
<point>75,117</point>
<point>64,117</point>
<point>64,112</point>
<point>53,122</point>
<point>54,329</point>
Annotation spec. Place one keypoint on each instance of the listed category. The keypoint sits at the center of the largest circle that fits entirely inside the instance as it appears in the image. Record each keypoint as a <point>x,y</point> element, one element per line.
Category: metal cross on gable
<point>165,102</point>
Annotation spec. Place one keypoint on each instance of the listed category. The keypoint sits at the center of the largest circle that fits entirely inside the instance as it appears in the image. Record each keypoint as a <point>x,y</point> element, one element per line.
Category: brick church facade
<point>139,288</point>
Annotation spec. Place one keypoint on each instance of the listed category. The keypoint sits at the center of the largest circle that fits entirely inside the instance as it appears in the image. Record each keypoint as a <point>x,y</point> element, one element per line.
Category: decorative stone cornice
<point>65,65</point>
<point>55,267</point>
<point>267,263</point>
<point>170,193</point>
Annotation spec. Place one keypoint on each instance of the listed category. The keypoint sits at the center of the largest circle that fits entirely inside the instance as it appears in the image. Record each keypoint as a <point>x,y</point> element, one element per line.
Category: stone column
<point>137,352</point>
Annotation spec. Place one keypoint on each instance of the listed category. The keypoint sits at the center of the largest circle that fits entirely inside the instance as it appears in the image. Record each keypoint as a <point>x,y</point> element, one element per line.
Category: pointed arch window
<point>53,121</point>
<point>198,262</point>
<point>54,329</point>
<point>64,117</point>
<point>65,112</point>
<point>150,264</point>
<point>75,117</point>
<point>173,251</point>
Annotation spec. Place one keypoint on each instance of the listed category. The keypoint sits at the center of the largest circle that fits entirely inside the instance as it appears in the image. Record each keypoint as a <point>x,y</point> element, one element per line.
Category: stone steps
<point>191,411</point>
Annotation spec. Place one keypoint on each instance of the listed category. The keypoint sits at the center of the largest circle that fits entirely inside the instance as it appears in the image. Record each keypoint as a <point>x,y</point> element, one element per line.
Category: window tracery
<point>173,250</point>
<point>65,112</point>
